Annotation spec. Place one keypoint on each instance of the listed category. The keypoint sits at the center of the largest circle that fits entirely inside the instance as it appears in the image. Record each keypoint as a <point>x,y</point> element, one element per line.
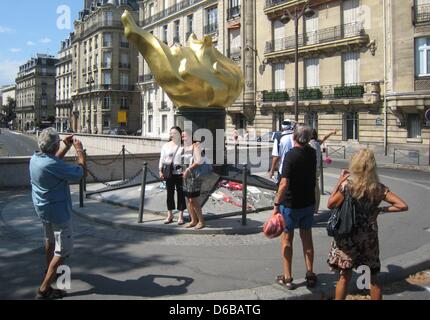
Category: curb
<point>396,166</point>
<point>404,265</point>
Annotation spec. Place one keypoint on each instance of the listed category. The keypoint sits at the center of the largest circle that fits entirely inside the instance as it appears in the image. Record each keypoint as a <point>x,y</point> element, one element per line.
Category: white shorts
<point>62,236</point>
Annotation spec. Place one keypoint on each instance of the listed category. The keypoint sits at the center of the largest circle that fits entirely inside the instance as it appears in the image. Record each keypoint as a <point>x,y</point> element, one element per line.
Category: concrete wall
<point>14,172</point>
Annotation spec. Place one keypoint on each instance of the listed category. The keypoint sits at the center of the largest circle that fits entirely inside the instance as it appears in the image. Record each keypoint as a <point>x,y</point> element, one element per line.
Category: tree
<point>8,113</point>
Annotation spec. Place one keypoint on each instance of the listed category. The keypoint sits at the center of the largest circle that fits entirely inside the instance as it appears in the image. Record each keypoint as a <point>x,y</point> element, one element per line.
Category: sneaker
<point>50,294</point>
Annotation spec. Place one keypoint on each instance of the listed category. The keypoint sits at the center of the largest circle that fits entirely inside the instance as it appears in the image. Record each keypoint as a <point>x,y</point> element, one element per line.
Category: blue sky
<point>28,27</point>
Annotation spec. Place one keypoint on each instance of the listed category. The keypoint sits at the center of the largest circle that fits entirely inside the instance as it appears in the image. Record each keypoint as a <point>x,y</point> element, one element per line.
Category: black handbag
<point>167,168</point>
<point>341,223</point>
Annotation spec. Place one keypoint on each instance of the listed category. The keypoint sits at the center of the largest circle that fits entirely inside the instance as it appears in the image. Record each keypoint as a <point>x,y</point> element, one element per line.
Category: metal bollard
<point>236,154</point>
<point>123,163</point>
<point>244,194</point>
<point>322,176</point>
<point>81,193</point>
<point>85,177</point>
<point>142,192</point>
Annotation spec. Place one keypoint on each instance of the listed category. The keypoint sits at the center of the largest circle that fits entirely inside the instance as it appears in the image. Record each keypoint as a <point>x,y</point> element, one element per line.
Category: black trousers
<point>175,182</point>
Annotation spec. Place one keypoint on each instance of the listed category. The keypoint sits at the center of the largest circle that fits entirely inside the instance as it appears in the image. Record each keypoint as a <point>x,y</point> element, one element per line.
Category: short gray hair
<point>302,134</point>
<point>49,140</point>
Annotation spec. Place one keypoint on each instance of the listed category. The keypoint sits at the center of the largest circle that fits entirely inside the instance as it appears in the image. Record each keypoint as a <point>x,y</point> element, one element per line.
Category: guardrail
<point>411,156</point>
<point>336,150</point>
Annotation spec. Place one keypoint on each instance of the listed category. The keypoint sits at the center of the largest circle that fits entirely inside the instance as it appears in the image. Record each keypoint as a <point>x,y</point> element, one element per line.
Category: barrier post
<point>322,175</point>
<point>123,163</point>
<point>244,194</point>
<point>142,192</point>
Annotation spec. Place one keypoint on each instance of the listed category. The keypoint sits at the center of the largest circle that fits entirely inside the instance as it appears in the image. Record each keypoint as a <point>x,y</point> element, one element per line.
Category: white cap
<point>288,124</point>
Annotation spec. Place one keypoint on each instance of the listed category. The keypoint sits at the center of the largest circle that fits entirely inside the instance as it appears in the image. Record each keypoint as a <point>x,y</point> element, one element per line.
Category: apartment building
<point>35,92</point>
<point>63,103</point>
<point>173,22</point>
<point>345,49</point>
<point>105,69</point>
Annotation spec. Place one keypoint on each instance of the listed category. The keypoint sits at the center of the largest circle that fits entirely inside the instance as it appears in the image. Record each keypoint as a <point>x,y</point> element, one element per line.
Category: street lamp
<point>295,16</point>
<point>90,82</point>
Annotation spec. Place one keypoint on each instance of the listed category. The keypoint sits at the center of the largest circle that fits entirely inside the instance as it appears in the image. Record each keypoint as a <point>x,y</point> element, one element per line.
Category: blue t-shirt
<point>50,177</point>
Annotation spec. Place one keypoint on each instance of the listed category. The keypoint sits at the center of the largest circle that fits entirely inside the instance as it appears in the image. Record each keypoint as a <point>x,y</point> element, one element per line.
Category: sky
<point>28,27</point>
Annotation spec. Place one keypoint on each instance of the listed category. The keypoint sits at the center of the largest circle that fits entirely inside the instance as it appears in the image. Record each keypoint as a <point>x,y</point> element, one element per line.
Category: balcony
<point>421,14</point>
<point>96,26</point>
<point>339,37</point>
<point>334,92</point>
<point>106,65</point>
<point>123,65</point>
<point>164,106</point>
<point>233,12</point>
<point>234,53</point>
<point>106,87</point>
<point>107,44</point>
<point>176,39</point>
<point>169,11</point>
<point>211,28</point>
<point>275,8</point>
<point>146,77</point>
<point>125,45</point>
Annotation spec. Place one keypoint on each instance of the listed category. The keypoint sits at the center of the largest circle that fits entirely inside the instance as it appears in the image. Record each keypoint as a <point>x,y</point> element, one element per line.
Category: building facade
<point>105,70</point>
<point>35,93</point>
<point>361,69</point>
<point>63,103</point>
<point>6,92</point>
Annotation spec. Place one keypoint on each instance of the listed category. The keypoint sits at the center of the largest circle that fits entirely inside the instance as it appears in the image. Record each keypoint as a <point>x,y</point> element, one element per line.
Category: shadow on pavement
<point>145,286</point>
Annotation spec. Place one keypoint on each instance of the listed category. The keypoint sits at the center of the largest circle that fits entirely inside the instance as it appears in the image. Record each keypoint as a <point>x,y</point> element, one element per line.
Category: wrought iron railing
<point>317,37</point>
<point>350,91</point>
<point>211,28</point>
<point>271,3</point>
<point>107,87</point>
<point>233,12</point>
<point>123,65</point>
<point>169,11</point>
<point>146,77</point>
<point>421,13</point>
<point>234,53</point>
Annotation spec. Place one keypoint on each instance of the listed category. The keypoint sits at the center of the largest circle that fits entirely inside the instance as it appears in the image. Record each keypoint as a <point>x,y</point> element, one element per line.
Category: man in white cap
<point>282,144</point>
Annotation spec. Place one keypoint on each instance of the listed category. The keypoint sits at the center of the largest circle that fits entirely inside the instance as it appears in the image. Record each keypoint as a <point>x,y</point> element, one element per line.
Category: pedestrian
<point>193,158</point>
<point>361,248</point>
<point>316,144</point>
<point>281,145</point>
<point>171,172</point>
<point>295,200</point>
<point>50,178</point>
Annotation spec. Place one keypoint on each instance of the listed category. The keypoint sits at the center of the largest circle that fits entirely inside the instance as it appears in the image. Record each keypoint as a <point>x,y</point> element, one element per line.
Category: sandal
<point>168,220</point>
<point>200,226</point>
<point>287,283</point>
<point>311,279</point>
<point>191,225</point>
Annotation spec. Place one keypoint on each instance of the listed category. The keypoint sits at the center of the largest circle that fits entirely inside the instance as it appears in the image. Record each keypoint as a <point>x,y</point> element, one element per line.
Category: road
<point>16,144</point>
<point>112,263</point>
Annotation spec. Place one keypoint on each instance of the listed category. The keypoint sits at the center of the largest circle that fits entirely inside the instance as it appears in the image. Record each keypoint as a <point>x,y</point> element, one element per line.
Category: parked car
<point>117,132</point>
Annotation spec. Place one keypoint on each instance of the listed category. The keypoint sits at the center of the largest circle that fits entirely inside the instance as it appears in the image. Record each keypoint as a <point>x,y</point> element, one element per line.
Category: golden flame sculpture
<point>198,76</point>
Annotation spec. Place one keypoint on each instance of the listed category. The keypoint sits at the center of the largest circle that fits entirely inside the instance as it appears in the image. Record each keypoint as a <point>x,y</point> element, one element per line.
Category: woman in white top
<point>192,185</point>
<point>171,154</point>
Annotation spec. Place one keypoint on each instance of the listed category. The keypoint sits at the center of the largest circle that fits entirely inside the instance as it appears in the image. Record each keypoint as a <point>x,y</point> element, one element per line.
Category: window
<point>422,57</point>
<point>106,121</point>
<point>211,20</point>
<point>351,67</point>
<point>123,80</point>
<point>312,73</point>
<point>106,102</point>
<point>350,126</point>
<point>414,126</point>
<point>107,59</point>
<point>165,34</point>
<point>150,124</point>
<point>107,39</point>
<point>351,11</point>
<point>311,25</point>
<point>190,19</point>
<point>124,58</point>
<point>235,40</point>
<point>107,78</point>
<point>151,9</point>
<point>311,119</point>
<point>124,102</point>
<point>109,18</point>
<point>176,38</point>
<point>279,76</point>
<point>164,124</point>
<point>278,34</point>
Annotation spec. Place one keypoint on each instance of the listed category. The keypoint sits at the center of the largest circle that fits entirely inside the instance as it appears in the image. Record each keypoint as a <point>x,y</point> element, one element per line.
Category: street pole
<point>296,65</point>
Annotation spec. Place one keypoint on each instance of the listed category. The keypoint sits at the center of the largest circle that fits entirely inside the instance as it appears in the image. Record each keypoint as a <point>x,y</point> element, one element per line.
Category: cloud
<point>15,50</point>
<point>30,43</point>
<point>5,30</point>
<point>45,40</point>
<point>9,70</point>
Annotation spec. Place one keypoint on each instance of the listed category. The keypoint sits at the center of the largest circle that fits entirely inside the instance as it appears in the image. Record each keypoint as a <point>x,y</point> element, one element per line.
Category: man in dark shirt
<point>296,202</point>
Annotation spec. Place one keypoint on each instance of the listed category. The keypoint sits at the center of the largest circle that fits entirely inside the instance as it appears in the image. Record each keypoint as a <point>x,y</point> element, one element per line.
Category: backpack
<point>279,136</point>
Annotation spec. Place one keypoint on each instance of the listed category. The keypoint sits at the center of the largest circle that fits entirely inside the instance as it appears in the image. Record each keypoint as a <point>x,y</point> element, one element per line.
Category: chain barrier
<point>115,185</point>
<point>107,163</point>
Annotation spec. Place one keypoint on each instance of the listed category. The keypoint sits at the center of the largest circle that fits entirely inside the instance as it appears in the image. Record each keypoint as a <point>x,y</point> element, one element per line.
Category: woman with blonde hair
<point>361,247</point>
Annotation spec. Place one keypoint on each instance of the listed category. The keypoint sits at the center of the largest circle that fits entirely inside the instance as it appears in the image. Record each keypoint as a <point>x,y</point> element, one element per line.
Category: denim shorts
<point>298,218</point>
